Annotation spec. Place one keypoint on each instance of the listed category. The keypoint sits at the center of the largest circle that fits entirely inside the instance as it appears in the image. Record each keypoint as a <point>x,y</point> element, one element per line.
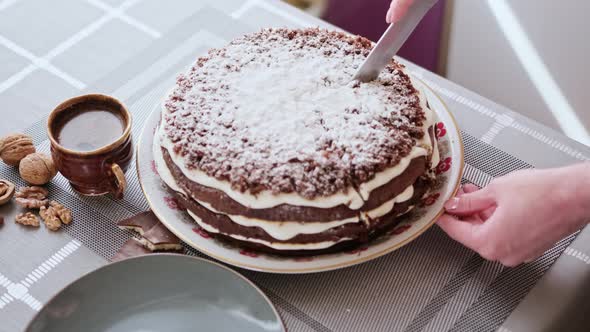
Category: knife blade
<point>392,40</point>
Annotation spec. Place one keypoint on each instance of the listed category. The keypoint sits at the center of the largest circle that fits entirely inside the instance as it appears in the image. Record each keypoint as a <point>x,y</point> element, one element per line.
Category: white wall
<point>481,57</point>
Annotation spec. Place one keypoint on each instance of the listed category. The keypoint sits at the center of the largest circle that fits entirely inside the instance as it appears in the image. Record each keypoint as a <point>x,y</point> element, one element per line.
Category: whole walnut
<point>14,147</point>
<point>37,169</point>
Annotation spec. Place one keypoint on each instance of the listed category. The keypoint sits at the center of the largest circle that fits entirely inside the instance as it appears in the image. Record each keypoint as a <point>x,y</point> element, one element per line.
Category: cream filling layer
<point>280,230</point>
<point>285,230</point>
<point>386,207</point>
<point>390,173</point>
<point>274,245</point>
<point>162,169</point>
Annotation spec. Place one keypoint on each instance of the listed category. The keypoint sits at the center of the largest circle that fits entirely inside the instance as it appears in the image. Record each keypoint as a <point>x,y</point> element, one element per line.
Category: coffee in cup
<point>91,143</point>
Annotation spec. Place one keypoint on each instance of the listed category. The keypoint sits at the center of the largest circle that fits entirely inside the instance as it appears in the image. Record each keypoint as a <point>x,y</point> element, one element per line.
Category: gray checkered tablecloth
<point>132,49</point>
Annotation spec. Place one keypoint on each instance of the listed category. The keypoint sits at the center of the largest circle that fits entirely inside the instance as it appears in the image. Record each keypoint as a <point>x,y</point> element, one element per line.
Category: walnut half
<point>27,219</point>
<point>32,197</point>
<point>64,214</point>
<point>55,215</point>
<point>49,216</point>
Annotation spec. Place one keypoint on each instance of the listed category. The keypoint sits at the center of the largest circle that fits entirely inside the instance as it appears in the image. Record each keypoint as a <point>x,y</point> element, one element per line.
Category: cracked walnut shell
<point>13,148</point>
<point>27,219</point>
<point>32,197</point>
<point>37,169</point>
<point>6,191</point>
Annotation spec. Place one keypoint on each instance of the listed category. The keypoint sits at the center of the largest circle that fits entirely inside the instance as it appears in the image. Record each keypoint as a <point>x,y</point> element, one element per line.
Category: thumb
<point>471,203</point>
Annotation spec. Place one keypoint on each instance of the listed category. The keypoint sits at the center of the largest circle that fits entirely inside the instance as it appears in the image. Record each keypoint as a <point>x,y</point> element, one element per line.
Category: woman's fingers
<point>397,10</point>
<point>470,188</point>
<point>520,220</point>
<point>471,202</point>
<point>460,192</point>
<point>464,232</point>
<point>389,15</point>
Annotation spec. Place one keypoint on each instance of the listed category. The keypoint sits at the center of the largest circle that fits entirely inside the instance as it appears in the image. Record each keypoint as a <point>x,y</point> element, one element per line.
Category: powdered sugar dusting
<point>277,110</point>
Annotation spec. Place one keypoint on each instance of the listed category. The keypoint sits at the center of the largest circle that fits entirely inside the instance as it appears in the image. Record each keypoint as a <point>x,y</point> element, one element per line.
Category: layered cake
<point>270,144</point>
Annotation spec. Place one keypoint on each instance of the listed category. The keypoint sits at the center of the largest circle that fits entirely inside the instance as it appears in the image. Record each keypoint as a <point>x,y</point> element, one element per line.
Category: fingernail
<point>452,204</point>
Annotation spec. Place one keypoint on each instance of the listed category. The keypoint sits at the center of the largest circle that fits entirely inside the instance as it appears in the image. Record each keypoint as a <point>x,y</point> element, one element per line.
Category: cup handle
<point>120,183</point>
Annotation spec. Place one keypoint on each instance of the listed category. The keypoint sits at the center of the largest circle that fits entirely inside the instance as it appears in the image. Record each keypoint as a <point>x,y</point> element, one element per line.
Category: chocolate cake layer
<point>284,212</point>
<point>355,231</point>
<point>396,186</point>
<point>257,247</point>
<point>383,225</point>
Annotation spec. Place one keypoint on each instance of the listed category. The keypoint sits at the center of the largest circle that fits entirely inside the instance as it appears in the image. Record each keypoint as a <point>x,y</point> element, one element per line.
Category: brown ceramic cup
<point>96,172</point>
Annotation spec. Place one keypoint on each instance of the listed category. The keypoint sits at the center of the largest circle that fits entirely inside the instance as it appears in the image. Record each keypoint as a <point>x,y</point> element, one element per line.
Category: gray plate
<point>159,292</point>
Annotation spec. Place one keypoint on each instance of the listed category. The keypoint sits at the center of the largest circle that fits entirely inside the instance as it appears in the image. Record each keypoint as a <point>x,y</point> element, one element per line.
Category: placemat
<point>432,284</point>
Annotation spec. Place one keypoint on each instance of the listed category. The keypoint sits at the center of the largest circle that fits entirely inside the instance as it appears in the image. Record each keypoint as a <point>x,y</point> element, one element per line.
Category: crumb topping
<point>277,110</point>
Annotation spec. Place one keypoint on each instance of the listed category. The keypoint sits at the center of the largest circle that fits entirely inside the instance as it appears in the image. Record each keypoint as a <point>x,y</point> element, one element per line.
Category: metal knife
<point>392,40</point>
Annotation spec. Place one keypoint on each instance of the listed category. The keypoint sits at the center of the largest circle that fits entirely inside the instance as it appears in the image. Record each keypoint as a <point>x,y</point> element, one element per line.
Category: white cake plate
<point>170,213</point>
